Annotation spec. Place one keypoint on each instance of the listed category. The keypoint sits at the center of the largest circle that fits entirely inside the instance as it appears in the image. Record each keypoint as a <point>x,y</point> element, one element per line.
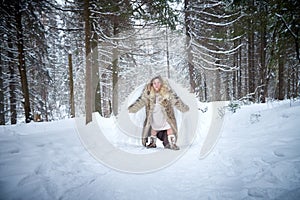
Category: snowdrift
<point>256,157</point>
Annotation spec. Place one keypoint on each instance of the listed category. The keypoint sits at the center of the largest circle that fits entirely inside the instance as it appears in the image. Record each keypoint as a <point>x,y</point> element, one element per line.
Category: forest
<point>65,58</point>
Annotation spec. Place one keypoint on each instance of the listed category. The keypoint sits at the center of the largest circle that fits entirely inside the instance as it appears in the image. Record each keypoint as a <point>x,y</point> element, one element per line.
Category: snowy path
<point>257,157</point>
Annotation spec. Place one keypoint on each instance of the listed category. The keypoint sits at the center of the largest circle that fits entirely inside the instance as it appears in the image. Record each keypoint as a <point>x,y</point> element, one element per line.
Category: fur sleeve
<point>178,103</point>
<point>139,103</point>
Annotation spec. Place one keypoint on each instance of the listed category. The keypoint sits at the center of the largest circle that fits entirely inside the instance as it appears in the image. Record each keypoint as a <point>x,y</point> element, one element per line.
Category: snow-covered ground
<point>257,156</point>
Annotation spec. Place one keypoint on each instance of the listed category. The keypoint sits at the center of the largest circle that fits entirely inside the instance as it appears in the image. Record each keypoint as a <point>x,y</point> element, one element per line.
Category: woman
<point>159,99</point>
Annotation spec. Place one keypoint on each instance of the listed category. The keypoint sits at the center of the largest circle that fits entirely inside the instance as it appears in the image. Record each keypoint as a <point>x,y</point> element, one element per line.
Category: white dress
<point>159,121</point>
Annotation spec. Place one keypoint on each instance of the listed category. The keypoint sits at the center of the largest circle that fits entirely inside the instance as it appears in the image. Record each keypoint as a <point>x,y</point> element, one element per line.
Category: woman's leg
<point>172,139</point>
<point>152,139</point>
<point>169,131</point>
<point>153,132</point>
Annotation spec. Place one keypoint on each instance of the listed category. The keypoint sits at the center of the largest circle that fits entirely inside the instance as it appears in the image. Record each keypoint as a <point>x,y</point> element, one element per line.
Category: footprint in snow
<point>13,151</point>
<point>257,193</point>
<point>288,152</point>
<point>40,145</point>
<point>278,153</point>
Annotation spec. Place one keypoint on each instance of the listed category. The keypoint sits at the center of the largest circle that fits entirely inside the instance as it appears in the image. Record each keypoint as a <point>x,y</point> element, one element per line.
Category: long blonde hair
<point>164,87</point>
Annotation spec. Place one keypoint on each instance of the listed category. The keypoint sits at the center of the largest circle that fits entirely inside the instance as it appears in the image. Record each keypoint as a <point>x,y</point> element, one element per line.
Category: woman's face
<point>156,84</point>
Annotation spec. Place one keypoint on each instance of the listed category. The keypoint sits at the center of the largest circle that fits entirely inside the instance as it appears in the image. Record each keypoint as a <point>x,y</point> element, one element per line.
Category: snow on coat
<point>168,99</point>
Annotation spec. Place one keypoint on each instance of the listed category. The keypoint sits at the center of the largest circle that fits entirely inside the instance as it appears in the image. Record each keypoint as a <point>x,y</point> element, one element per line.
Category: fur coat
<point>168,99</point>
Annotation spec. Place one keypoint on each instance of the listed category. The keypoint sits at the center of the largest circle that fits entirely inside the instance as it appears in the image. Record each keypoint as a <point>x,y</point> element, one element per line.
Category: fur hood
<point>167,99</point>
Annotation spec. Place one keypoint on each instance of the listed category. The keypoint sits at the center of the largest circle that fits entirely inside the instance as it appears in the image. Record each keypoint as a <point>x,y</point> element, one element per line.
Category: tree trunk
<point>115,73</point>
<point>21,64</point>
<point>263,47</point>
<point>98,99</point>
<point>115,81</point>
<point>281,77</point>
<point>217,88</point>
<point>88,65</point>
<point>95,75</point>
<point>236,83</point>
<point>167,49</point>
<point>297,78</point>
<point>12,92</point>
<point>294,82</point>
<point>45,99</point>
<point>251,67</point>
<point>12,81</point>
<point>234,74</point>
<point>228,91</point>
<point>104,94</point>
<point>288,84</point>
<point>71,86</point>
<point>188,46</point>
<point>239,73</point>
<point>2,113</point>
<point>205,88</point>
